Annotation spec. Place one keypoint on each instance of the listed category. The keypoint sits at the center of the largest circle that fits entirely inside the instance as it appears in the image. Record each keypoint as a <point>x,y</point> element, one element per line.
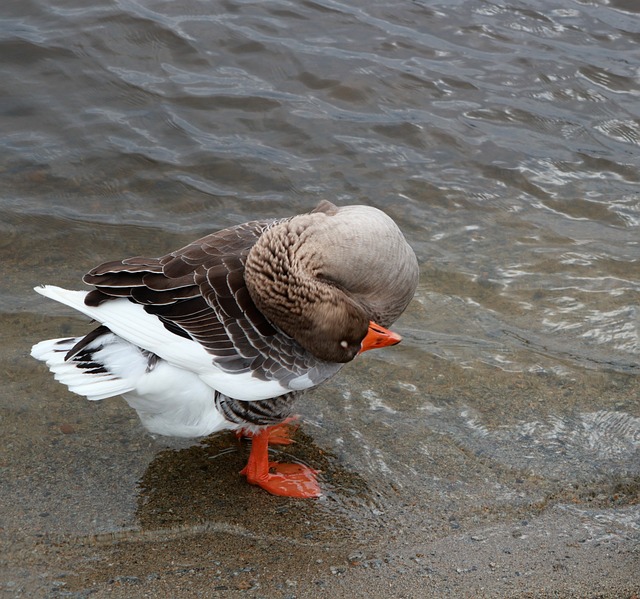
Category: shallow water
<point>503,139</point>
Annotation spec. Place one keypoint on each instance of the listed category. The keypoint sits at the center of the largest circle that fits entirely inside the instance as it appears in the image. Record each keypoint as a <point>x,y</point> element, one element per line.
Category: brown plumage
<point>227,331</point>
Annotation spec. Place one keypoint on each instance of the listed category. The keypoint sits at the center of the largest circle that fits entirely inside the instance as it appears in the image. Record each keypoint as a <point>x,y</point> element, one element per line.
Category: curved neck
<point>283,273</point>
<point>280,276</point>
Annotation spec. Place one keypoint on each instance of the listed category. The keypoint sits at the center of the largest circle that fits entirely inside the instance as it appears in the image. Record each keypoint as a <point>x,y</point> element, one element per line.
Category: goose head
<point>333,279</point>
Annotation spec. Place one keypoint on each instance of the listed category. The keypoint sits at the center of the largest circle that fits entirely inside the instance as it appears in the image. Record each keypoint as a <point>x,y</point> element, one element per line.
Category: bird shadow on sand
<point>200,488</point>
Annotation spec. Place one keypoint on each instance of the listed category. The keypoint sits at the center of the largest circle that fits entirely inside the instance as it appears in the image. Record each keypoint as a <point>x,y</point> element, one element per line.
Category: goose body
<point>228,331</point>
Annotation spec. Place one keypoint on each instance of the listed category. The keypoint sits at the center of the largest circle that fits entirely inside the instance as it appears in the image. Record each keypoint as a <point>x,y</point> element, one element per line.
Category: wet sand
<point>93,506</point>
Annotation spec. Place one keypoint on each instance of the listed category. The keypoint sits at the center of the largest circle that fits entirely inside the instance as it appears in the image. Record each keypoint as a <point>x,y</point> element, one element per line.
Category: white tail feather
<point>79,379</point>
<point>130,322</point>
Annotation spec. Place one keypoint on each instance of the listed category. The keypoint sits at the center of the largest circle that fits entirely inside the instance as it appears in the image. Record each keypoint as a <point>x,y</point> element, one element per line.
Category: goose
<point>227,332</point>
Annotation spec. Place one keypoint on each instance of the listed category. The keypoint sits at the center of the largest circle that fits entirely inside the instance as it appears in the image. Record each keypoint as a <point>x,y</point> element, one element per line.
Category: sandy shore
<point>93,506</point>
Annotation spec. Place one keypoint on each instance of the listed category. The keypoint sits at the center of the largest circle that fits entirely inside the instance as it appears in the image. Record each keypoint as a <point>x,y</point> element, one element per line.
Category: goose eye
<point>344,344</point>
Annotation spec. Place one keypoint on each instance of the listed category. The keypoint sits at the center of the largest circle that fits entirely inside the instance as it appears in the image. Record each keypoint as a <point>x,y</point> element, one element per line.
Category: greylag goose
<point>228,331</point>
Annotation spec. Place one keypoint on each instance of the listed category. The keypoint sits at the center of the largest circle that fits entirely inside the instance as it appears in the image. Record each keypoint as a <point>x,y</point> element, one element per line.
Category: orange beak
<point>378,337</point>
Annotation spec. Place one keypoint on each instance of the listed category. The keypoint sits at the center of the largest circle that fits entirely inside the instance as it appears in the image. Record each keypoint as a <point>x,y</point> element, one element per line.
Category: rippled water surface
<point>504,140</point>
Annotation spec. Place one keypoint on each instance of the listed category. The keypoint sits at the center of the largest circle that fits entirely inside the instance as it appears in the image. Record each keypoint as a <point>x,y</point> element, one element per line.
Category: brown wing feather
<point>199,292</point>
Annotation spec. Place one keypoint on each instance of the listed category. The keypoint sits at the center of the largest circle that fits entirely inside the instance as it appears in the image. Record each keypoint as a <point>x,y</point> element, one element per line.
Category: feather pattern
<point>228,331</point>
<point>200,292</point>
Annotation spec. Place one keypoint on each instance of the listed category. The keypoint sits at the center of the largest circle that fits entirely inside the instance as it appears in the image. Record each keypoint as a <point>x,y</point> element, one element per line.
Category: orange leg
<point>289,480</point>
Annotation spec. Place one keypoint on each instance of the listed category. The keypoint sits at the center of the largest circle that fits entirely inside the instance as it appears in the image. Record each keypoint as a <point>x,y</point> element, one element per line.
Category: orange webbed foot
<point>289,480</point>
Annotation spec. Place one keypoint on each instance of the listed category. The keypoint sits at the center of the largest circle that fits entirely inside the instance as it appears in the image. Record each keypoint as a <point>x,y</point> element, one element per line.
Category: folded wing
<point>199,293</point>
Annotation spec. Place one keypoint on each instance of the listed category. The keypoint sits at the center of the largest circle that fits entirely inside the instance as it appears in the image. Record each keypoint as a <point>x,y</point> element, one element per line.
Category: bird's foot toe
<point>288,480</point>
